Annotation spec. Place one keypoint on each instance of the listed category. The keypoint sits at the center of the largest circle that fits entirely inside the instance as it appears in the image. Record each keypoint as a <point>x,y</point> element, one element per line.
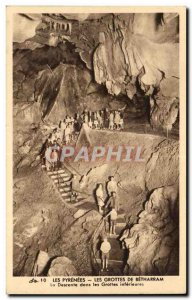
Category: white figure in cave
<point>105,250</point>
<point>86,118</point>
<point>117,119</point>
<point>54,158</point>
<point>111,186</point>
<point>89,114</point>
<point>100,120</point>
<point>63,125</point>
<point>67,134</point>
<point>95,122</point>
<point>121,123</point>
<point>112,220</point>
<point>48,158</point>
<point>100,198</point>
<point>90,123</point>
<point>111,121</point>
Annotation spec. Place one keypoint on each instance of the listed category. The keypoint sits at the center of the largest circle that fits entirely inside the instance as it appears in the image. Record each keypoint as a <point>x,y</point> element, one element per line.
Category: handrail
<point>93,239</point>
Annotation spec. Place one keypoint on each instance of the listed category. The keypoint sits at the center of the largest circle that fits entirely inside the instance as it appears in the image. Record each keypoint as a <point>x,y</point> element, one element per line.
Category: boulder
<point>164,111</point>
<point>62,266</point>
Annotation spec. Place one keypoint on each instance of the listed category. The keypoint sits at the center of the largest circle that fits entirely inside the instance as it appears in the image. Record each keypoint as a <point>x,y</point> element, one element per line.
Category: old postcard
<point>96,150</point>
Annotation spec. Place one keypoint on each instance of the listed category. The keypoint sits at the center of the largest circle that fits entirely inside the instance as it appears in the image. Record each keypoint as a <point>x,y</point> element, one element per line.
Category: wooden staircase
<point>61,179</point>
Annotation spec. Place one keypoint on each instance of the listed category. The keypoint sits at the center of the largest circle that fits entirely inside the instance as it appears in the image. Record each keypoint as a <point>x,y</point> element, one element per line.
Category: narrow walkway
<point>117,255</point>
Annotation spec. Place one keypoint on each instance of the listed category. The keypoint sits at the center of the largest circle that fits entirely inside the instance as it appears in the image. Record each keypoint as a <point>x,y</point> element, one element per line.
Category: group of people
<point>70,126</point>
<point>51,155</point>
<point>109,207</point>
<point>68,129</point>
<point>103,119</point>
<point>66,132</point>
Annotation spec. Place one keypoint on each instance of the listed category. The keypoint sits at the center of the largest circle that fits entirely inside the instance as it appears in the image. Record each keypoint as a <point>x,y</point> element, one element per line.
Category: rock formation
<point>128,53</point>
<point>62,266</point>
<point>125,60</point>
<point>153,242</point>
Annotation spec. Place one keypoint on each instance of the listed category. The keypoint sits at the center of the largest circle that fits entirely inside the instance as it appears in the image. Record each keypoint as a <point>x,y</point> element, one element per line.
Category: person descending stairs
<point>117,255</point>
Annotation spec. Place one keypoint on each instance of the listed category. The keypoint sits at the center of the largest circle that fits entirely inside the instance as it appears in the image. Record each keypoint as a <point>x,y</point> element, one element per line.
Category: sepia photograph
<point>96,129</point>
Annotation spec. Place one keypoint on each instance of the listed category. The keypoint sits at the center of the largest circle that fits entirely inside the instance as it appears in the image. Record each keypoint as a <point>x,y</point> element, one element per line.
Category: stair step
<point>55,172</point>
<point>66,200</point>
<point>65,175</point>
<point>60,176</point>
<point>67,189</point>
<point>66,194</point>
<point>65,184</point>
<point>53,176</point>
<point>61,180</point>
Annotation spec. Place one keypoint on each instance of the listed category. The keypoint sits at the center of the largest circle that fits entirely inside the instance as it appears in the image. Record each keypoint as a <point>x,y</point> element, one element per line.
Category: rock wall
<point>153,242</point>
<point>126,60</point>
